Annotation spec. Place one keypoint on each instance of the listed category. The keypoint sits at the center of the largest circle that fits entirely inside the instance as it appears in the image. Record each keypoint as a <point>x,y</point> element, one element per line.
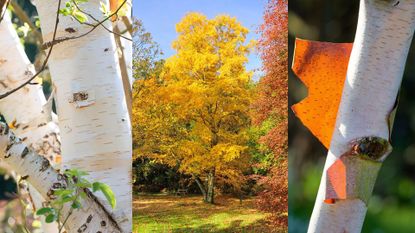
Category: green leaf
<point>76,205</point>
<point>81,17</point>
<point>44,211</point>
<point>83,183</point>
<point>106,190</point>
<point>50,218</point>
<point>70,172</point>
<point>63,192</point>
<point>65,11</point>
<point>95,186</point>
<point>68,198</point>
<point>83,195</point>
<point>75,172</point>
<point>104,9</point>
<point>82,173</point>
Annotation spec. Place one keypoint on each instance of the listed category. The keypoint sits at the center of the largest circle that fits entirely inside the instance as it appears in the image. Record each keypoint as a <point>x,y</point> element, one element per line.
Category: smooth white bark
<point>93,117</point>
<point>384,34</point>
<point>91,218</point>
<point>125,49</point>
<point>26,107</point>
<point>127,45</point>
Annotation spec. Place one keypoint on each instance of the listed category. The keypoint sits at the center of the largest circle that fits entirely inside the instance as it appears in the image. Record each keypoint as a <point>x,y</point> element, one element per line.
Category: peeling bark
<point>353,175</point>
<point>374,75</point>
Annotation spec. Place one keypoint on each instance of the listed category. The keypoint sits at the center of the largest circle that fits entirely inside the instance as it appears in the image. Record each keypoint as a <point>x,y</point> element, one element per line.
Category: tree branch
<point>46,180</point>
<point>44,62</point>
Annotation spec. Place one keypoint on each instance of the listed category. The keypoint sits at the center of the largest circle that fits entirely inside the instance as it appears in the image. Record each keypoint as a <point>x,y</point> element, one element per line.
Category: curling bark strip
<point>353,175</point>
<point>322,67</point>
<point>93,116</point>
<point>92,217</point>
<point>384,32</point>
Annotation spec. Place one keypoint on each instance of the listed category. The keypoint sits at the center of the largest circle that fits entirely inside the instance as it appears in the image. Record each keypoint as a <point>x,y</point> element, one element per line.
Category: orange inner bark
<point>322,67</point>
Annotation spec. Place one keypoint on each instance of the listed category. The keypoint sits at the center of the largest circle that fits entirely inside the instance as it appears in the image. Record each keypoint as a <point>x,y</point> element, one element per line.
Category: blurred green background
<point>392,207</point>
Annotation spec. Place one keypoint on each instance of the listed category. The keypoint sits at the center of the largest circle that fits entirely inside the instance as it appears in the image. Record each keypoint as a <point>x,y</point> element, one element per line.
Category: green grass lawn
<point>162,213</point>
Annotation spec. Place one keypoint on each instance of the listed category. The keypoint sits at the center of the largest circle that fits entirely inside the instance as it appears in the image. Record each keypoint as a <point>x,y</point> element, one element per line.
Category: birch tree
<point>123,28</point>
<point>92,111</point>
<point>47,180</point>
<point>27,111</point>
<point>93,116</point>
<point>359,141</point>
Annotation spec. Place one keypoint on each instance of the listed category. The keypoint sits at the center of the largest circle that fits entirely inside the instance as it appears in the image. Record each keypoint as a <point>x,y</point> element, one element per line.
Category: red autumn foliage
<point>274,199</point>
<point>272,102</point>
<point>273,46</point>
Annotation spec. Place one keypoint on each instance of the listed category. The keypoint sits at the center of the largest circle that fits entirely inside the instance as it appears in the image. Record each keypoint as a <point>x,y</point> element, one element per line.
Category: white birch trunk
<point>384,32</point>
<point>125,52</point>
<point>91,218</point>
<point>127,46</point>
<point>93,117</point>
<point>26,107</point>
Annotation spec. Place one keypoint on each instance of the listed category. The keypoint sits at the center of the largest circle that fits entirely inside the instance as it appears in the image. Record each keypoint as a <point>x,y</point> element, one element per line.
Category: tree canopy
<point>271,106</point>
<point>196,113</point>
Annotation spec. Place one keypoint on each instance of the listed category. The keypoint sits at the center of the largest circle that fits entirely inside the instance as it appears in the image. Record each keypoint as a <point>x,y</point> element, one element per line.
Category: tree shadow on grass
<point>191,215</point>
<point>260,226</point>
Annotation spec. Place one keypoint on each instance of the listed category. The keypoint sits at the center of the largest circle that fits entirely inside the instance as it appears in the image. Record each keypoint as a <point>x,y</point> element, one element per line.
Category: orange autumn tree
<point>195,115</point>
<point>271,105</point>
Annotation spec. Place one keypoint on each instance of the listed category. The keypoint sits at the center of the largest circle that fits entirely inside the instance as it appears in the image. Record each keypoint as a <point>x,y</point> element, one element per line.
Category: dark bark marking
<point>24,152</point>
<point>89,219</point>
<point>3,84</point>
<point>4,129</point>
<point>57,185</point>
<point>50,194</point>
<point>80,96</point>
<point>28,73</point>
<point>82,228</point>
<point>9,146</point>
<point>61,177</point>
<point>41,124</point>
<point>373,148</point>
<point>70,30</point>
<point>45,165</point>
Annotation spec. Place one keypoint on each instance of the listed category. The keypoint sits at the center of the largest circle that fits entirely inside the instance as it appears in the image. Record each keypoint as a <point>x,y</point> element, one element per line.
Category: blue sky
<point>160,17</point>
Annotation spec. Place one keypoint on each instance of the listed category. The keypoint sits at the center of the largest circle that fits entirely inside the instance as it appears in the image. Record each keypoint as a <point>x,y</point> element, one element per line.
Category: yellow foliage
<point>196,112</point>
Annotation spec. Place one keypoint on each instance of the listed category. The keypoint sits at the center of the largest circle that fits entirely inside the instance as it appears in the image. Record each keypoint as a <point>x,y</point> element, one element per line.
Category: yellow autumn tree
<point>195,115</point>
